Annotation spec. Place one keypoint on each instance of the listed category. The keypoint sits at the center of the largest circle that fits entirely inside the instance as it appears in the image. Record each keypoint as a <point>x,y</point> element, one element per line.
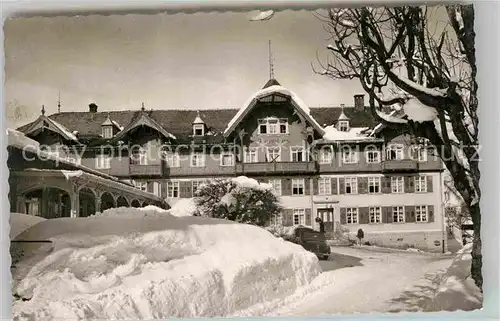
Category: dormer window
<point>273,125</point>
<point>198,125</point>
<point>107,131</point>
<point>198,129</point>
<point>344,126</point>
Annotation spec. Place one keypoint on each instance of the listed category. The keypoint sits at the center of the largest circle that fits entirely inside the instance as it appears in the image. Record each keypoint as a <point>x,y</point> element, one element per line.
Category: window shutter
<point>409,184</point>
<point>430,213</point>
<point>386,214</point>
<point>341,185</point>
<point>409,214</point>
<point>364,215</point>
<point>185,189</point>
<point>315,186</point>
<point>150,187</point>
<point>307,186</point>
<point>343,220</point>
<point>386,184</point>
<point>334,185</point>
<point>286,185</point>
<point>429,184</point>
<point>163,188</point>
<point>288,217</point>
<point>308,217</point>
<point>362,185</point>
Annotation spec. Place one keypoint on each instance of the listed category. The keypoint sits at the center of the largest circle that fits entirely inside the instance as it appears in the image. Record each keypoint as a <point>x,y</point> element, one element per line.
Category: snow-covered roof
<point>107,122</point>
<point>297,103</point>
<point>198,119</point>
<point>63,129</point>
<point>353,134</point>
<point>117,125</point>
<point>17,139</point>
<point>343,116</point>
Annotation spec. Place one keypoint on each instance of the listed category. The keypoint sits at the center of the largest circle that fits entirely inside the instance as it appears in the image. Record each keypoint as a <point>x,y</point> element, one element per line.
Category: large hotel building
<point>336,163</point>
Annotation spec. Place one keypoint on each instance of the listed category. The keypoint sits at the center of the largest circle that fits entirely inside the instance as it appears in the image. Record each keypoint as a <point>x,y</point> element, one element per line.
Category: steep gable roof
<point>143,119</point>
<point>46,122</point>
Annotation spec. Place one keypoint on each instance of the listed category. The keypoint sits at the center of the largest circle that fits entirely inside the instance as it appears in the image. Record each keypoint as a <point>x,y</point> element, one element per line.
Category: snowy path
<point>387,281</point>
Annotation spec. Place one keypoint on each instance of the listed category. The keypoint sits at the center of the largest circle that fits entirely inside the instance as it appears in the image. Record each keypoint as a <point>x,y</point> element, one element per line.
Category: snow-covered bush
<point>240,199</point>
<point>184,207</point>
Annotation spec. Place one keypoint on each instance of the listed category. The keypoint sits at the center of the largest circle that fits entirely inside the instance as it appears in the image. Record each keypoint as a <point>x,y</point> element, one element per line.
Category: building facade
<point>336,164</point>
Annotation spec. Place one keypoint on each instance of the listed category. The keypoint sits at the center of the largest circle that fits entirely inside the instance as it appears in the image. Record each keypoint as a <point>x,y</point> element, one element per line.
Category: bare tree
<point>407,60</point>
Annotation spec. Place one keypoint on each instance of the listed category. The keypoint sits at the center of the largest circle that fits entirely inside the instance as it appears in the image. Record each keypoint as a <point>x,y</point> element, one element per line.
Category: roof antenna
<point>59,102</point>
<point>271,66</point>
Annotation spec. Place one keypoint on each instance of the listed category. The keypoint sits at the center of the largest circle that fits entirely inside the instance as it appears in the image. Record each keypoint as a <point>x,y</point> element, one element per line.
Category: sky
<point>193,61</point>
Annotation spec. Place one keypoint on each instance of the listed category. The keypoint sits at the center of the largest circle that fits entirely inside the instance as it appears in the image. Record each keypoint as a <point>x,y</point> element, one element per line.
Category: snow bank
<point>128,212</point>
<point>457,290</point>
<point>263,15</point>
<point>21,222</point>
<point>183,207</point>
<point>110,267</point>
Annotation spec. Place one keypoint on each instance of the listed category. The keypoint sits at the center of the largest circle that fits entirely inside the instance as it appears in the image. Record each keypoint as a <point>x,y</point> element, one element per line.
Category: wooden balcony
<point>399,165</point>
<point>274,168</point>
<point>145,170</point>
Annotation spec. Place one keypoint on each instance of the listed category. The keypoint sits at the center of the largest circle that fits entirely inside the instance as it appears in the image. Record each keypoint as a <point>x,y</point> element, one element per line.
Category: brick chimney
<point>93,108</point>
<point>359,102</point>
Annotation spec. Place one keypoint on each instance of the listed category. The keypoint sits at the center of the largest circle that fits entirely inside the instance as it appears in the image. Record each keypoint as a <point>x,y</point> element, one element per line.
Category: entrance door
<point>326,215</point>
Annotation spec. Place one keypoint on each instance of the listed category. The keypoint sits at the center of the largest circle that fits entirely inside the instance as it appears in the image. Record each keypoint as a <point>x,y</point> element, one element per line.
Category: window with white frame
<point>421,184</point>
<point>349,156</point>
<point>197,160</point>
<point>157,189</point>
<point>276,186</point>
<point>394,152</point>
<point>198,129</point>
<point>297,154</point>
<point>273,154</point>
<point>422,154</point>
<point>372,156</point>
<point>273,125</point>
<point>421,213</point>
<point>250,155</point>
<point>107,131</point>
<point>196,184</point>
<point>398,214</point>
<point>344,126</point>
<point>324,186</point>
<point>173,160</point>
<point>397,184</point>
<point>299,216</point>
<point>143,186</point>
<point>375,214</point>
<point>351,215</point>
<point>75,159</point>
<point>351,185</point>
<point>173,189</point>
<point>325,155</point>
<point>298,186</point>
<point>226,159</point>
<point>103,161</point>
<point>373,185</point>
<point>139,157</point>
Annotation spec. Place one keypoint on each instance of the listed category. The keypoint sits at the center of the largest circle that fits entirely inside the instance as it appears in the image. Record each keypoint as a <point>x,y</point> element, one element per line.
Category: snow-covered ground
<point>146,263</point>
<point>384,281</point>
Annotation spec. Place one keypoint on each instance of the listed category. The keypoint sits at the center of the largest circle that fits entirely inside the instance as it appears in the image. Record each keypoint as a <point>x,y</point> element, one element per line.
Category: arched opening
<point>87,202</point>
<point>48,202</point>
<point>135,203</point>
<point>121,202</point>
<point>107,201</point>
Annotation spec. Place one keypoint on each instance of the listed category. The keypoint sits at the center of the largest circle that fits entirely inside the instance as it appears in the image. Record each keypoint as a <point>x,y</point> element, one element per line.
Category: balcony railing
<point>145,170</point>
<point>400,165</point>
<point>276,168</point>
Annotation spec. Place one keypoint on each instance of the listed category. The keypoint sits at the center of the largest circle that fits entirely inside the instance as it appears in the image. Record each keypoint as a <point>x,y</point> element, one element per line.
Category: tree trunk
<point>477,256</point>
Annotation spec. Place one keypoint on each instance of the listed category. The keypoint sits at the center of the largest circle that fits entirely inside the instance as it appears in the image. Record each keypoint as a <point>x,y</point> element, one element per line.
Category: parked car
<point>312,241</point>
